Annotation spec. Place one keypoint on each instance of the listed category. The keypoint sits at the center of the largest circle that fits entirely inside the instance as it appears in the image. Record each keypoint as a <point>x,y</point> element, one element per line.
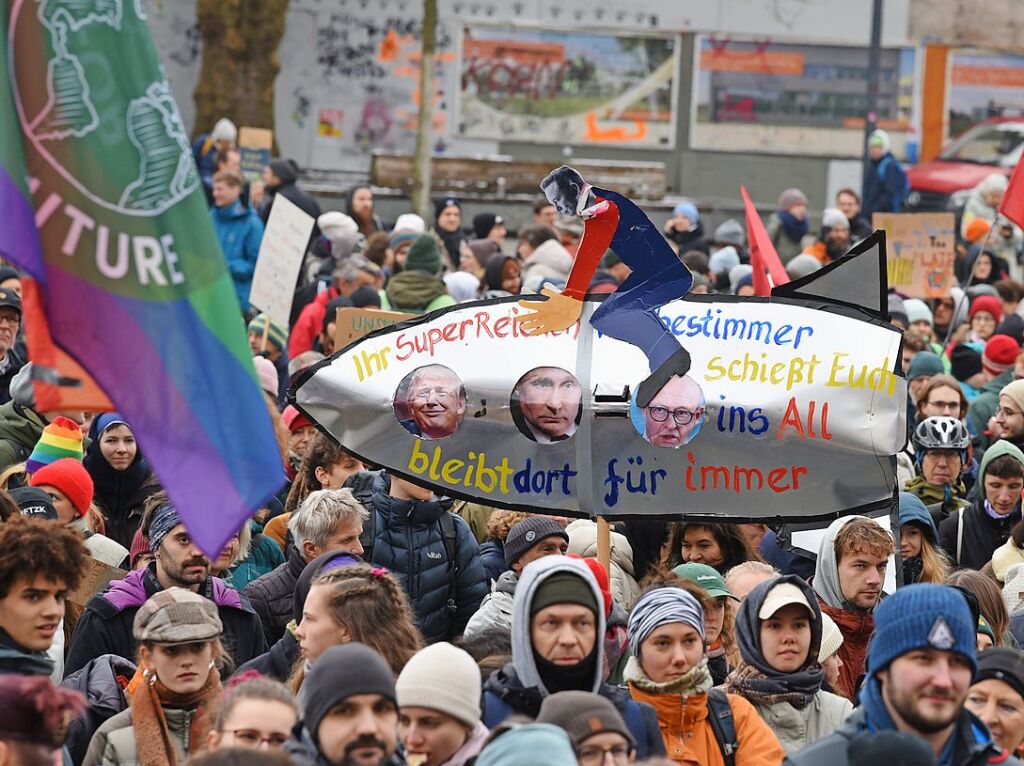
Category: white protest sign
<point>281,253</point>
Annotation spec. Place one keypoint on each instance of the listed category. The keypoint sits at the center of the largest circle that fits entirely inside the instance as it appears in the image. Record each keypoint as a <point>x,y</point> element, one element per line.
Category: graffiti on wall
<point>567,87</point>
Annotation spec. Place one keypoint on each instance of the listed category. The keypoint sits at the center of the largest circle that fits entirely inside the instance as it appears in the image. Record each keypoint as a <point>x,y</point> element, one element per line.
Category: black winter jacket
<point>981,536</point>
<point>271,595</point>
<point>973,747</point>
<point>408,541</point>
<point>279,662</point>
<point>105,626</point>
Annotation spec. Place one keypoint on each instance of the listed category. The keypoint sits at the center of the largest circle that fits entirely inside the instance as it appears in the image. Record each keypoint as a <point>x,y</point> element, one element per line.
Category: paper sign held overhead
<point>254,146</point>
<point>920,252</point>
<point>281,253</point>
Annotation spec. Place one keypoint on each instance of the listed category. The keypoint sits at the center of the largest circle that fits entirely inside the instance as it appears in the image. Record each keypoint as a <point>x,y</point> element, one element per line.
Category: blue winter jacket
<point>884,186</point>
<point>240,232</point>
<point>492,556</point>
<point>408,541</point>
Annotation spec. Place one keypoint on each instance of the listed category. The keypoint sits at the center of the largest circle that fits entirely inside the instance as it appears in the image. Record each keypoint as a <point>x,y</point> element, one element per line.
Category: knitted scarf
<point>761,689</point>
<point>794,228</point>
<point>755,678</point>
<point>697,680</point>
<point>152,736</point>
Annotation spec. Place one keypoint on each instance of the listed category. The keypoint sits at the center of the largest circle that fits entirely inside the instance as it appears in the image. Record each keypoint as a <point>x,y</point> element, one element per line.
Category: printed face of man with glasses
<point>437,400</point>
<point>674,412</point>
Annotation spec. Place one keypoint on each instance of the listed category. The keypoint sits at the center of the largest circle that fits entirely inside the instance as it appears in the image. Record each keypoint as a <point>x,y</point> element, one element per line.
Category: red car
<point>992,146</point>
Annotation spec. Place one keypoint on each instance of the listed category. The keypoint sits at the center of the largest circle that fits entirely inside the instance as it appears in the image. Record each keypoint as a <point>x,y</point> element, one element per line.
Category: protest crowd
<point>360,619</point>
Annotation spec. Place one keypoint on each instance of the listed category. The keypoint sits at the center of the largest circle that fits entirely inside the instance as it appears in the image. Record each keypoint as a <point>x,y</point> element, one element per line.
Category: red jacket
<point>856,628</point>
<point>310,322</point>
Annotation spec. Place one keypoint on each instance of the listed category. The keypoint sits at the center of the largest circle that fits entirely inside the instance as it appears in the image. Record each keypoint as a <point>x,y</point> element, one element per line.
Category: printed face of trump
<point>437,401</point>
<point>674,412</point>
<point>549,400</point>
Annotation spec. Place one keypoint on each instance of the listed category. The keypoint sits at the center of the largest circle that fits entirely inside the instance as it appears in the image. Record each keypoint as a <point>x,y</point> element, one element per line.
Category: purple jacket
<point>105,626</point>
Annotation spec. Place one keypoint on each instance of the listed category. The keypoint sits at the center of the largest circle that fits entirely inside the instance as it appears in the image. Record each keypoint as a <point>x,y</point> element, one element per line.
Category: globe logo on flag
<point>88,93</point>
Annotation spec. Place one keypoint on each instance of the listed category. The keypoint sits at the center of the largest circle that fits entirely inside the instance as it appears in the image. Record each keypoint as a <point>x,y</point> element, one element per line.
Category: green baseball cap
<point>706,577</point>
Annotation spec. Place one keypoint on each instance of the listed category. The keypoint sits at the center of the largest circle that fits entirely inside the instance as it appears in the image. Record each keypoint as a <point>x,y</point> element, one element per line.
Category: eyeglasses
<point>1005,412</point>
<point>255,738</point>
<point>15,320</point>
<point>681,417</point>
<point>595,756</point>
<point>944,406</point>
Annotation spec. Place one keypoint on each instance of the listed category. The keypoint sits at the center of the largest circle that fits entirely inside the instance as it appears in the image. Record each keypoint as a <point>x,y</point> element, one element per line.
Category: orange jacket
<point>690,741</point>
<point>819,251</point>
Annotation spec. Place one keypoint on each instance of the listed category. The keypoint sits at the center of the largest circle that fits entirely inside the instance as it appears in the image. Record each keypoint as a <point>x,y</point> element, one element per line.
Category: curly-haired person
<point>40,563</point>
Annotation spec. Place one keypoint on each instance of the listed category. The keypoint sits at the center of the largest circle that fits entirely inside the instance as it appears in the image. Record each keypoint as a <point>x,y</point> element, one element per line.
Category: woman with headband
<point>701,726</point>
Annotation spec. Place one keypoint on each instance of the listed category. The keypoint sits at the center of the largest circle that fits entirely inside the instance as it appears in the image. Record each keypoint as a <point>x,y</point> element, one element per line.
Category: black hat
<point>344,671</point>
<point>34,502</point>
<point>9,299</point>
<point>285,169</point>
<point>527,533</point>
<point>322,564</point>
<point>365,297</point>
<point>964,362</point>
<point>484,222</point>
<point>444,202</point>
<point>1002,664</point>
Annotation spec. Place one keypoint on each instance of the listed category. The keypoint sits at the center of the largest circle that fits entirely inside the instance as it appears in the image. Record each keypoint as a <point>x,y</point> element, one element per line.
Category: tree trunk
<point>424,139</point>
<point>240,61</point>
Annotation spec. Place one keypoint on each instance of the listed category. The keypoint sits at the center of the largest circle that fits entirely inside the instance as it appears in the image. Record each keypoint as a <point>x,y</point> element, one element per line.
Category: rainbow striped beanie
<point>61,438</point>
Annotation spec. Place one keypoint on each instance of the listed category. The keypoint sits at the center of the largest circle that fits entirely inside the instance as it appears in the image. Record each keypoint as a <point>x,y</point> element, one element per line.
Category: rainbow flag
<point>102,205</point>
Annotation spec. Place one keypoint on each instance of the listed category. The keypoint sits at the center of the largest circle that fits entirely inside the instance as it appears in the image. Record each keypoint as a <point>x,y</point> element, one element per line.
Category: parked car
<point>943,183</point>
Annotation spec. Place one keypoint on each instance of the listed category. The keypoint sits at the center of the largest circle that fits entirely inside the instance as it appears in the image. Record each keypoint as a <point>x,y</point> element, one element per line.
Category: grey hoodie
<point>826,570</point>
<point>534,574</point>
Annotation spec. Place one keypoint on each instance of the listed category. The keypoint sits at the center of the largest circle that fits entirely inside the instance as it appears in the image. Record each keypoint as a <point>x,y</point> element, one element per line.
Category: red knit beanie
<point>140,545</point>
<point>1000,353</point>
<point>987,303</point>
<point>70,477</point>
<point>602,581</point>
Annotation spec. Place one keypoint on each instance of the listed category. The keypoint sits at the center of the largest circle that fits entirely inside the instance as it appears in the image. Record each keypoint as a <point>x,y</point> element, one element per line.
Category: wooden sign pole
<point>604,544</point>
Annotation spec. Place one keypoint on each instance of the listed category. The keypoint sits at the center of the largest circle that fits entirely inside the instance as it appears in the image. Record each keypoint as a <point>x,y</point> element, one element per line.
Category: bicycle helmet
<point>941,433</point>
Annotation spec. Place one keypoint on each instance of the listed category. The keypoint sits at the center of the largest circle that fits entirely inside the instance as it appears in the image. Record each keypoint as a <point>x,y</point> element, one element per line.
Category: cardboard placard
<point>920,252</point>
<point>96,578</point>
<point>353,323</point>
<point>281,253</point>
<point>254,145</point>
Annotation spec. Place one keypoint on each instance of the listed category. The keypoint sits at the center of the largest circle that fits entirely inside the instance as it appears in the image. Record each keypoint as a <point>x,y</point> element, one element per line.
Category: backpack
<point>449,537</point>
<point>883,168</point>
<point>722,724</point>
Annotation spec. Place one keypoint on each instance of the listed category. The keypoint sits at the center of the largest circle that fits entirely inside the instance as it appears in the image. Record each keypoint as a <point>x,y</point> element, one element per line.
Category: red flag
<point>768,270</point>
<point>1012,205</point>
<point>59,382</point>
